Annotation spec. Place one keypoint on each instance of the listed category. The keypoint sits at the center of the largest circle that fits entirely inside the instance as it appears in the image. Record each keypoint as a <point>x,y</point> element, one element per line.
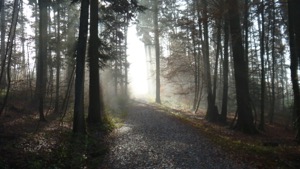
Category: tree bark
<point>42,57</point>
<point>8,52</point>
<point>78,121</point>
<point>3,31</point>
<point>273,98</point>
<point>157,51</point>
<point>95,110</point>
<point>58,60</point>
<point>244,110</point>
<point>126,64</point>
<point>246,29</point>
<point>22,23</point>
<point>293,7</point>
<point>225,71</point>
<point>262,61</point>
<point>196,60</point>
<point>217,60</point>
<point>212,111</point>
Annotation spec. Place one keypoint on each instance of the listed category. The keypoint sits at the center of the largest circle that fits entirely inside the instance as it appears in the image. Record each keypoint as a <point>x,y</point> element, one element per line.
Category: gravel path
<point>152,139</point>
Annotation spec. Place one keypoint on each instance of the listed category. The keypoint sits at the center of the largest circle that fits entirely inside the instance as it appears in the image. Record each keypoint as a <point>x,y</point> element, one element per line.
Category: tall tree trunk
<point>58,60</point>
<point>217,60</point>
<point>9,50</point>
<point>41,76</point>
<point>196,72</point>
<point>3,31</point>
<point>212,111</point>
<point>22,23</point>
<point>225,71</point>
<point>95,106</point>
<point>268,62</point>
<point>294,39</point>
<point>297,31</point>
<point>198,59</point>
<point>157,51</point>
<point>36,42</point>
<point>126,64</point>
<point>78,121</point>
<point>272,108</point>
<point>115,66</point>
<point>246,29</point>
<point>262,61</point>
<point>120,68</point>
<point>244,110</point>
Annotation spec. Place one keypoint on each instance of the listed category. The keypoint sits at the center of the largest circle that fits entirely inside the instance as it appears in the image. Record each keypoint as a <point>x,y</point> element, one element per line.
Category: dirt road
<point>152,139</point>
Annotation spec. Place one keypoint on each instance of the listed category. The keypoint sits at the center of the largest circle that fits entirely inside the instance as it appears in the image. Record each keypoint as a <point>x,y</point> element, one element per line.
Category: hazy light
<point>138,68</point>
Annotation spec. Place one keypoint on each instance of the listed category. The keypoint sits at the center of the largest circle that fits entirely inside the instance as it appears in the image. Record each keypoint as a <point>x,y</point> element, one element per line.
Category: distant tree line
<point>227,54</point>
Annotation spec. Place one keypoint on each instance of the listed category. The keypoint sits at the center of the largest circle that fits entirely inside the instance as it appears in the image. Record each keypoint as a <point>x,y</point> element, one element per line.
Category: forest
<point>227,68</point>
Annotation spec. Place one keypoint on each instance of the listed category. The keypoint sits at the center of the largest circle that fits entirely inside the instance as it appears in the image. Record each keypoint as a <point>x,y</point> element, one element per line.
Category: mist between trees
<point>226,58</point>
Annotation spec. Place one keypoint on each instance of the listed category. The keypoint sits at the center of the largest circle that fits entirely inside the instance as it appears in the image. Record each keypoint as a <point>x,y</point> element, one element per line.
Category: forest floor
<point>25,142</point>
<point>152,138</point>
<point>275,147</point>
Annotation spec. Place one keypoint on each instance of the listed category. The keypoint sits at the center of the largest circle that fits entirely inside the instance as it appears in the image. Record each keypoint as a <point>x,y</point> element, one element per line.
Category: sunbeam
<point>138,68</point>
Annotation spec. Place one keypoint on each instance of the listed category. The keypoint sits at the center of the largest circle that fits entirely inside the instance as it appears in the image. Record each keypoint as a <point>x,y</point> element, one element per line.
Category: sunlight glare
<point>138,68</point>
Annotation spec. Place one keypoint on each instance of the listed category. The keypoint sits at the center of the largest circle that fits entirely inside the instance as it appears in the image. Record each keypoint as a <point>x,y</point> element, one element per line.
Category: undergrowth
<point>31,144</point>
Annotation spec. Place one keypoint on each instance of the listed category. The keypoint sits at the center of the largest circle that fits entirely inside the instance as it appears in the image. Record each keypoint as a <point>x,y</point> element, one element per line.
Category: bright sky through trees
<point>136,57</point>
<point>138,68</point>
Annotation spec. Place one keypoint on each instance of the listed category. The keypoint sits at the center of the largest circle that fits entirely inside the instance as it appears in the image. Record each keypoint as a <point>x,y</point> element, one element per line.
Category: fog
<point>138,78</point>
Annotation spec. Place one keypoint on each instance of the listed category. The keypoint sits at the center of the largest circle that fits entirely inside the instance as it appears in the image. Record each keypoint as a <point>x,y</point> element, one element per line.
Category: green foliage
<point>114,118</point>
<point>115,17</point>
<point>109,123</point>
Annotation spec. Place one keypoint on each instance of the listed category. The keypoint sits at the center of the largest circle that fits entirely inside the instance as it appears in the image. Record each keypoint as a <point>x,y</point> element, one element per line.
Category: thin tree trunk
<point>262,61</point>
<point>225,71</point>
<point>271,113</point>
<point>217,60</point>
<point>196,59</point>
<point>246,29</point>
<point>200,86</point>
<point>157,52</point>
<point>8,50</point>
<point>23,65</point>
<point>116,72</point>
<point>121,65</point>
<point>78,121</point>
<point>58,60</point>
<point>126,64</point>
<point>196,72</point>
<point>3,31</point>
